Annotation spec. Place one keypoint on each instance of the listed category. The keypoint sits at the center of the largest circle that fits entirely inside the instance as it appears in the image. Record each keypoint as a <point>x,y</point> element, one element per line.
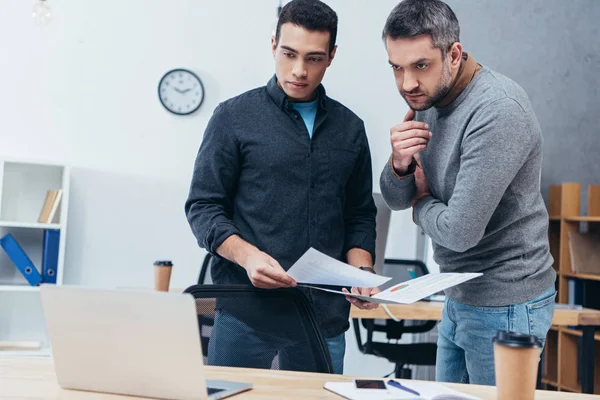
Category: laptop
<point>140,343</point>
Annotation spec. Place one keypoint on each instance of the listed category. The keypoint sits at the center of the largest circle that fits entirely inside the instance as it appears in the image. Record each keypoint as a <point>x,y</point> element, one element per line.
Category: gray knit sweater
<point>486,213</point>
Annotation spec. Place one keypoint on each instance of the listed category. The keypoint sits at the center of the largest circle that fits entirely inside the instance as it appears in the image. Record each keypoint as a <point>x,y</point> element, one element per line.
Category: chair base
<point>402,373</point>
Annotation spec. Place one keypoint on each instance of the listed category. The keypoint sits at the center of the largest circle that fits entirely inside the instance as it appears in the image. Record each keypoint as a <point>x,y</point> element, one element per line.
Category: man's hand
<point>408,139</point>
<point>265,272</point>
<point>262,269</point>
<point>421,183</point>
<point>365,305</point>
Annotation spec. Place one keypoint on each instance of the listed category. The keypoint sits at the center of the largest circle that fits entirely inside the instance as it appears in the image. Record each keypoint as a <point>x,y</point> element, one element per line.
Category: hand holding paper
<point>368,292</point>
<point>414,290</point>
<point>317,268</point>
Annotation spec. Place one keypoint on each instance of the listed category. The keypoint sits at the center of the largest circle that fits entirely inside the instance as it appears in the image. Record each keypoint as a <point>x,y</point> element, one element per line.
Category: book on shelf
<point>19,345</point>
<point>585,252</point>
<point>49,211</point>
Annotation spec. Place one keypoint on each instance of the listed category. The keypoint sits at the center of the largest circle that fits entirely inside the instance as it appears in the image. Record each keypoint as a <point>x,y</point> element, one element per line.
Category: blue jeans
<point>337,349</point>
<point>465,351</point>
<point>236,344</point>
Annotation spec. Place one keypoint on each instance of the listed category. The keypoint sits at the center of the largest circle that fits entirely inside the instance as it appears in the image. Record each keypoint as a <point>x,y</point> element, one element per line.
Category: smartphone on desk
<point>370,384</point>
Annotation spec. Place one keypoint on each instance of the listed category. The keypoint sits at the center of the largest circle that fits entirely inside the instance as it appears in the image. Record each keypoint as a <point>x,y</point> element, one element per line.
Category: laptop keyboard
<point>214,390</point>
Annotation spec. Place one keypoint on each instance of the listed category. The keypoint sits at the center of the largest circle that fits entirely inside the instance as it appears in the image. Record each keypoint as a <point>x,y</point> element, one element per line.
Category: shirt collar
<point>467,71</point>
<point>280,98</point>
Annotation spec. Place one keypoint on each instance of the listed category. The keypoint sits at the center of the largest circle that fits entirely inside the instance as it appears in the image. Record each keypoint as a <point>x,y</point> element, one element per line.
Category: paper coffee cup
<point>162,275</point>
<point>516,359</point>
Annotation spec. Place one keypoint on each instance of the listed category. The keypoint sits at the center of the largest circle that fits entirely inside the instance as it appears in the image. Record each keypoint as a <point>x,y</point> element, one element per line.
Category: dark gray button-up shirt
<point>260,176</point>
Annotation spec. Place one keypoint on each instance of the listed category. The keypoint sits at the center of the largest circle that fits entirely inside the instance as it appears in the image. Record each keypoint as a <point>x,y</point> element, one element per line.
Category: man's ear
<point>273,45</point>
<point>455,55</point>
<point>332,55</point>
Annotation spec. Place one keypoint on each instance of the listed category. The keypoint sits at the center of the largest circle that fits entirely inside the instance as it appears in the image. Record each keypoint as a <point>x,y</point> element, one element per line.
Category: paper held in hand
<point>316,268</point>
<point>414,290</point>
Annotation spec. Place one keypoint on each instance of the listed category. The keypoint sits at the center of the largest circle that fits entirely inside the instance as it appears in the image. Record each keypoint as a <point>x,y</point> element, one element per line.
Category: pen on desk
<point>401,386</point>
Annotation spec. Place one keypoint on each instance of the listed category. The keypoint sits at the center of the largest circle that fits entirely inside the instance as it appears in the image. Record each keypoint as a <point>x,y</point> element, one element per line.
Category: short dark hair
<point>412,18</point>
<point>313,15</point>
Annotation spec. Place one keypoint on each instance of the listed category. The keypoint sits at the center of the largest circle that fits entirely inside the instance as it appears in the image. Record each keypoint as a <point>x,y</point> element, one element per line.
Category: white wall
<point>82,91</point>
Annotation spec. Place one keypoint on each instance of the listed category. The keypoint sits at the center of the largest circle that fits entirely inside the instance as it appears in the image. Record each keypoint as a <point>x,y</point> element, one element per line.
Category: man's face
<point>422,76</point>
<point>301,58</point>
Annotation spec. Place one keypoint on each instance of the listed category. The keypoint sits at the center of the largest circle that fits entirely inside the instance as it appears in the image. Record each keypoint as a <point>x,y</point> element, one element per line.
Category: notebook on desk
<point>426,390</point>
<point>140,343</point>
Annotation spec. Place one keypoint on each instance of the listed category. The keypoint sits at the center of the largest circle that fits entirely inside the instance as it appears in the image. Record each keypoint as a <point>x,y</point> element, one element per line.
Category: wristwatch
<point>368,269</point>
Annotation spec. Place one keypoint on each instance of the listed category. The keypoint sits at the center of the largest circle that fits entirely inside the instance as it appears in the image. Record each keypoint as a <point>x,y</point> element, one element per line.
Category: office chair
<point>399,354</point>
<point>283,318</point>
<point>204,269</point>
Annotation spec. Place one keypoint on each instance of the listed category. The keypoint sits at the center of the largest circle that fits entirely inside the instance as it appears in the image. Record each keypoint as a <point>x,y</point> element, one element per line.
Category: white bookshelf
<point>23,188</point>
<point>32,225</point>
<point>19,288</point>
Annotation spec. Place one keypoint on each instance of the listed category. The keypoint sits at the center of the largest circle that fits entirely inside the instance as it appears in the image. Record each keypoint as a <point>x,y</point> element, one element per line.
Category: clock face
<point>180,91</point>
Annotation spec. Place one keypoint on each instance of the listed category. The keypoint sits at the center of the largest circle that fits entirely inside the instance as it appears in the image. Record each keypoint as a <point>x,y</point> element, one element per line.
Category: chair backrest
<point>204,276</point>
<point>400,271</point>
<point>242,326</point>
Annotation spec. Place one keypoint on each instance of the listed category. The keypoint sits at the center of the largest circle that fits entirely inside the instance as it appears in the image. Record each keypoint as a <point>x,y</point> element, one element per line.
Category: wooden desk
<point>432,311</point>
<point>586,319</point>
<point>26,378</point>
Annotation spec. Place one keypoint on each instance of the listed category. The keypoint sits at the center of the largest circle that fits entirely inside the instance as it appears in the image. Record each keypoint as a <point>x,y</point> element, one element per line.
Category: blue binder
<point>20,259</point>
<point>50,255</point>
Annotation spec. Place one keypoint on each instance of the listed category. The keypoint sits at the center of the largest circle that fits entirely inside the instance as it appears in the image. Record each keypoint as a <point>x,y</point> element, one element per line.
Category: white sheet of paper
<point>427,391</point>
<point>414,290</point>
<point>317,268</point>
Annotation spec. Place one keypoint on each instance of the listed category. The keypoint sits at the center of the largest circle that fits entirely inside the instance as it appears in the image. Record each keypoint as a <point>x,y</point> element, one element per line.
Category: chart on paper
<point>414,290</point>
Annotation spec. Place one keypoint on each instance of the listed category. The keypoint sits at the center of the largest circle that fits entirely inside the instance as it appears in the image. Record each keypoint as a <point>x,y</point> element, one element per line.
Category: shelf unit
<point>560,368</point>
<point>23,187</point>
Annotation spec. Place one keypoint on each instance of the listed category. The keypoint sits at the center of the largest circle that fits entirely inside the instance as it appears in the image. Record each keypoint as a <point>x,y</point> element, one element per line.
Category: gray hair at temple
<point>411,18</point>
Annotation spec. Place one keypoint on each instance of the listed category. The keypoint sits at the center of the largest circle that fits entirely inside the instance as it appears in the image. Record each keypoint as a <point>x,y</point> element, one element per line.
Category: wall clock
<point>181,91</point>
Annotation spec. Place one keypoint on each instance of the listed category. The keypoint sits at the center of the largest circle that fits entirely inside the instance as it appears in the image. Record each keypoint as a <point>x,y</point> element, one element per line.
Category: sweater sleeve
<point>495,147</point>
<point>397,191</point>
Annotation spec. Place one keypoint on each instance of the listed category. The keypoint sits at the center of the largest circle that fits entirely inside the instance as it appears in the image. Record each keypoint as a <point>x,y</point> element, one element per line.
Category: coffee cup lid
<point>163,263</point>
<point>513,339</point>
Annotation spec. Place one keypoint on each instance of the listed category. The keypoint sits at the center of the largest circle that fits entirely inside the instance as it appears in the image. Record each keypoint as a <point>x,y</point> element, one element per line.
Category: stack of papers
<point>316,268</point>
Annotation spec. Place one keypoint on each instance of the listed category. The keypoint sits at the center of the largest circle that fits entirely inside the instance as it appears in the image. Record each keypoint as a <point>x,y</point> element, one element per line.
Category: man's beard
<point>442,89</point>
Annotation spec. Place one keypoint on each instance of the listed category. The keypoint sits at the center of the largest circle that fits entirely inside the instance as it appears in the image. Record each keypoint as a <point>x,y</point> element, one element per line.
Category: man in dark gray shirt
<point>467,158</point>
<point>283,168</point>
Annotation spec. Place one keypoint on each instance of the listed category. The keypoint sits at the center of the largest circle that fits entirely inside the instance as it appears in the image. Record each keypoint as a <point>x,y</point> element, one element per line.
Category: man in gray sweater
<point>467,158</point>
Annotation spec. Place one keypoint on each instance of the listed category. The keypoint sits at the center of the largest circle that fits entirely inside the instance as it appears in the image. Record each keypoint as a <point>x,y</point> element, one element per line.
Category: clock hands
<point>184,91</point>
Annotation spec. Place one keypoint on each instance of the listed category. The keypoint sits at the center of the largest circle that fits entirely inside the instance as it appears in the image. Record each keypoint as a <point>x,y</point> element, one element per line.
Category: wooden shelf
<point>563,344</point>
<point>589,277</point>
<point>570,389</point>
<point>549,382</point>
<point>582,219</point>
<point>575,332</point>
<point>572,332</point>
